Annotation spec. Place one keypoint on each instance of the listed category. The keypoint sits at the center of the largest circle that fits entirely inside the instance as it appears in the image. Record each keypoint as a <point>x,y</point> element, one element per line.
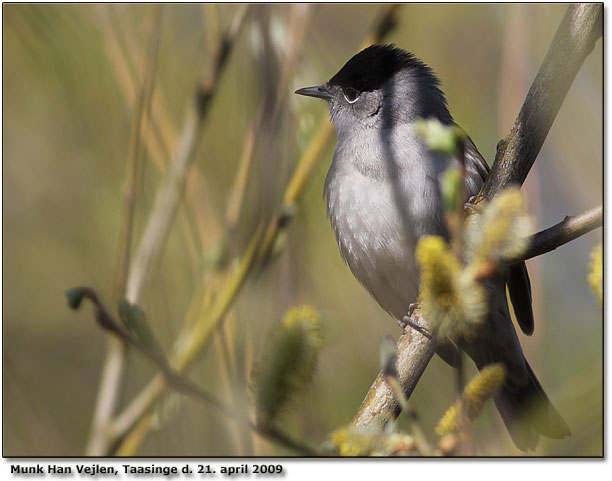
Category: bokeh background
<point>72,79</point>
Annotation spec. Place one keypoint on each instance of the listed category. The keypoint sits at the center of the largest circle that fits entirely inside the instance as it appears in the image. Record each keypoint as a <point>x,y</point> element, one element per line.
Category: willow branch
<point>565,231</point>
<point>160,221</point>
<point>414,351</point>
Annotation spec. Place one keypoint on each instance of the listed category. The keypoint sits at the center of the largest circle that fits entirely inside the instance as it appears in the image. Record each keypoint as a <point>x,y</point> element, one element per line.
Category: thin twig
<point>191,341</point>
<point>183,384</point>
<point>171,191</point>
<point>110,382</point>
<point>159,223</point>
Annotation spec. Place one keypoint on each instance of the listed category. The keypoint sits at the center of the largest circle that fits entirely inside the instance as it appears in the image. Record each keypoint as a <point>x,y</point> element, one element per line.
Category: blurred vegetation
<point>68,109</point>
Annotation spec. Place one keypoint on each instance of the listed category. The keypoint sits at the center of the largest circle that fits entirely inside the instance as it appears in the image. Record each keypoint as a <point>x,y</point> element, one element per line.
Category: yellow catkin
<point>595,276</point>
<point>502,229</point>
<point>308,319</point>
<point>287,362</point>
<point>449,296</point>
<point>349,441</point>
<point>481,388</point>
<point>352,441</point>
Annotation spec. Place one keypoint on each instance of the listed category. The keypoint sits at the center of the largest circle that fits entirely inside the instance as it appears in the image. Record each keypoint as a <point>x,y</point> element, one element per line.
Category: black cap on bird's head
<point>391,72</point>
<point>372,67</point>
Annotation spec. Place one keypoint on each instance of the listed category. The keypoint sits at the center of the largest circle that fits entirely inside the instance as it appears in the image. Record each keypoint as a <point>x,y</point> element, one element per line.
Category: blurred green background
<point>71,77</point>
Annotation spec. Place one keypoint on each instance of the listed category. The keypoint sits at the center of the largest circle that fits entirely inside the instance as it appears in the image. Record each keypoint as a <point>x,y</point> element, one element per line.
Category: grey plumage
<point>383,194</point>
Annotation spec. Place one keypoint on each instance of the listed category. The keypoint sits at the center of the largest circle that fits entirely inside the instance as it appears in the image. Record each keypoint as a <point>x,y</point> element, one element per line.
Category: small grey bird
<point>383,194</point>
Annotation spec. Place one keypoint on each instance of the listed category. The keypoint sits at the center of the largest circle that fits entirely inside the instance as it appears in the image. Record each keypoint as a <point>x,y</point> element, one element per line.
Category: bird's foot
<point>413,306</point>
<point>407,321</point>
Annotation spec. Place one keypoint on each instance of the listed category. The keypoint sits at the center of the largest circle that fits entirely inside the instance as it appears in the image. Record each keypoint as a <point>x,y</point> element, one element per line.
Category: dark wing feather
<point>517,278</point>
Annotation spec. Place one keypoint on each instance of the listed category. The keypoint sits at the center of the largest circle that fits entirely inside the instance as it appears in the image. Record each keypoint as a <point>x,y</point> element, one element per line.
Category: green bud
<point>450,185</point>
<point>75,295</point>
<point>444,139</point>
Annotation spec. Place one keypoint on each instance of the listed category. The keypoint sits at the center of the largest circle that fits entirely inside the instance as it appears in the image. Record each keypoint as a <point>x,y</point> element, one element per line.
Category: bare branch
<point>170,192</point>
<point>110,381</point>
<point>565,231</point>
<point>414,351</point>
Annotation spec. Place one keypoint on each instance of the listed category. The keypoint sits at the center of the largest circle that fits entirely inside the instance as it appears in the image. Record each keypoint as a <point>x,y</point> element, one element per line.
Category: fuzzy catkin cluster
<point>287,363</point>
<point>595,276</point>
<point>353,441</point>
<point>451,296</point>
<point>481,388</point>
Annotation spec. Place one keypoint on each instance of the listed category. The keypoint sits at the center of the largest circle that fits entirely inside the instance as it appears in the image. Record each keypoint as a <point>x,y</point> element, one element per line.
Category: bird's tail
<point>527,412</point>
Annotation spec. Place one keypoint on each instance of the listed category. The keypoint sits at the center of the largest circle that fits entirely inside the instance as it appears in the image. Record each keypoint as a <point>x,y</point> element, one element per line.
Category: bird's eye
<point>351,95</point>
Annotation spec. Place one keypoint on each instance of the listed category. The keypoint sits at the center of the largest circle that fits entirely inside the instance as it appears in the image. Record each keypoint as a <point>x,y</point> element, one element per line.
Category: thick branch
<point>574,40</point>
<point>414,351</point>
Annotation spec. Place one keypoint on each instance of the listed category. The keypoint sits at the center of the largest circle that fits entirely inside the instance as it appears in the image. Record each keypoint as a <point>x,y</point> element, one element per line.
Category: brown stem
<point>565,231</point>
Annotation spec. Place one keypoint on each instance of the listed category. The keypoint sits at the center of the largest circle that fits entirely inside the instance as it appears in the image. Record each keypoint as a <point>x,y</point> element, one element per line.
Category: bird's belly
<point>375,243</point>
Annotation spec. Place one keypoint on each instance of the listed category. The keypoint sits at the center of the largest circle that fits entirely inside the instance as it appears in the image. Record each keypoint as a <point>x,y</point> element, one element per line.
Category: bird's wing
<point>517,278</point>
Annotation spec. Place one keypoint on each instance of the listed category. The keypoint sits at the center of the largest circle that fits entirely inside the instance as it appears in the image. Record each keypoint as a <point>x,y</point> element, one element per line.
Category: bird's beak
<point>320,92</point>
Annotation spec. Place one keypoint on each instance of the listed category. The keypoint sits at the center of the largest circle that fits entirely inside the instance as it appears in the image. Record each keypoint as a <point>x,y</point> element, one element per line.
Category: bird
<point>383,195</point>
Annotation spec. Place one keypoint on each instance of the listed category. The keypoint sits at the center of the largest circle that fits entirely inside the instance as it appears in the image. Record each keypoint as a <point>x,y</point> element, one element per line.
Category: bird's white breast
<point>376,238</point>
<point>373,241</point>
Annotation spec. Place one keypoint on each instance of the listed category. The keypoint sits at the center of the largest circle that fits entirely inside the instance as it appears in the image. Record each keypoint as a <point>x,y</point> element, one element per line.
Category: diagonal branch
<point>573,42</point>
<point>170,193</point>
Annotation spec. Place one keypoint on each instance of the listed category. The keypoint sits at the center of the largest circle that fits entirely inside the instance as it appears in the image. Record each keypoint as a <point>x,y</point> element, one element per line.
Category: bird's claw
<point>413,306</point>
<point>408,322</point>
<point>473,205</point>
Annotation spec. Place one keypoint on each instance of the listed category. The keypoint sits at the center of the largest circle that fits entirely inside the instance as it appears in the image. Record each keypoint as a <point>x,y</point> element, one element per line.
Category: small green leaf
<point>75,296</point>
<point>450,185</point>
<point>135,320</point>
<point>444,139</point>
